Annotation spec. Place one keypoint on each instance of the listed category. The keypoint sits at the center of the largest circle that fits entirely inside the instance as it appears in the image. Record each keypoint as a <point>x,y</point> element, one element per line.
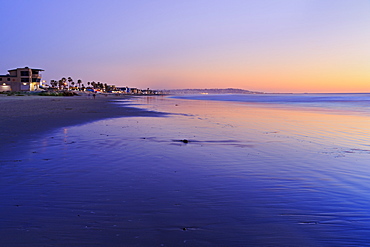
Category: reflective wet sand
<point>249,175</point>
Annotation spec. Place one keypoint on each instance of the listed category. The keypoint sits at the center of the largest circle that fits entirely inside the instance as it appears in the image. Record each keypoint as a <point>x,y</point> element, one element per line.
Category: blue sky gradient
<point>268,45</point>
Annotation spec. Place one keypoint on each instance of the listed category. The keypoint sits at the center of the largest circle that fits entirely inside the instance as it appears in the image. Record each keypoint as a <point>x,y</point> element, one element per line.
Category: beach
<point>249,174</point>
<point>23,116</point>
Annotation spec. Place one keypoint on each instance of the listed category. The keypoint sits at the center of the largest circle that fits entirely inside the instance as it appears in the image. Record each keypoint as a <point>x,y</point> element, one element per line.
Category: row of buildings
<point>27,79</point>
<point>21,79</point>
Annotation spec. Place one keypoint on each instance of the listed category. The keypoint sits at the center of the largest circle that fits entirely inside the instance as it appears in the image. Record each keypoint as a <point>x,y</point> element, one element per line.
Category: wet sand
<point>250,175</point>
<point>22,116</point>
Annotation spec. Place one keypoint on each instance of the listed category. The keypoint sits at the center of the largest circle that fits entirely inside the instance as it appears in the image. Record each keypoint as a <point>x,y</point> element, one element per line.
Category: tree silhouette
<point>60,84</point>
<point>69,82</point>
<point>79,83</point>
<point>63,83</point>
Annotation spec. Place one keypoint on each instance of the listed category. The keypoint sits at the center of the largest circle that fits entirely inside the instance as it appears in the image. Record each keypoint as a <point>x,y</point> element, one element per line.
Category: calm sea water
<point>359,102</point>
<point>257,170</point>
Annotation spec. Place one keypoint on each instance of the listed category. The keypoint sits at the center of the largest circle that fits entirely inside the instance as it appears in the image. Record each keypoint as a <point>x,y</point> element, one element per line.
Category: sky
<point>258,45</point>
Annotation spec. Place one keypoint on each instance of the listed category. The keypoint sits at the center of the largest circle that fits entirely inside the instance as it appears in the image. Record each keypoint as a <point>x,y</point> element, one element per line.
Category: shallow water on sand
<point>250,175</point>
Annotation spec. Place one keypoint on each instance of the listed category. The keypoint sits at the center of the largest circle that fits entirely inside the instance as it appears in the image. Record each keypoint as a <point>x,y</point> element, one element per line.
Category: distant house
<point>21,79</point>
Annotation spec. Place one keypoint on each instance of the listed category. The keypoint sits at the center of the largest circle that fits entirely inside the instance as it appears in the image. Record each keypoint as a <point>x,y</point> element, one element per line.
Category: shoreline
<point>27,116</point>
<point>253,175</point>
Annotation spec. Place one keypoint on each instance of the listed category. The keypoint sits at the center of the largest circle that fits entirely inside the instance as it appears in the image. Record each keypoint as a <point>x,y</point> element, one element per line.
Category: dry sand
<point>22,116</point>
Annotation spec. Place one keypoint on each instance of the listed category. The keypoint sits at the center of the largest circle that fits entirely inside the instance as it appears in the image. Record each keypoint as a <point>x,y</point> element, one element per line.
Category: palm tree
<point>53,83</point>
<point>79,83</point>
<point>69,81</point>
<point>63,82</point>
<point>60,84</point>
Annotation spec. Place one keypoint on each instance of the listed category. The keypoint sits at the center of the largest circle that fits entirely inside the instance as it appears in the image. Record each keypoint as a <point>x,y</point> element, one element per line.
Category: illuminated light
<point>24,83</point>
<point>4,84</point>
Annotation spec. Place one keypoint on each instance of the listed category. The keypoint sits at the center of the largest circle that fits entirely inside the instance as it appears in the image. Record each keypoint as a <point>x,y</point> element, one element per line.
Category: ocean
<point>354,103</point>
<point>218,170</point>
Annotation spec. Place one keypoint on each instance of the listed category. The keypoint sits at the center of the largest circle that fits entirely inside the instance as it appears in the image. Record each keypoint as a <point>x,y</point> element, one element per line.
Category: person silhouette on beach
<point>94,95</point>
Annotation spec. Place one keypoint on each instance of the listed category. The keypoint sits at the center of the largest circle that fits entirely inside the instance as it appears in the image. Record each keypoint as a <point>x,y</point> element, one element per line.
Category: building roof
<point>26,68</point>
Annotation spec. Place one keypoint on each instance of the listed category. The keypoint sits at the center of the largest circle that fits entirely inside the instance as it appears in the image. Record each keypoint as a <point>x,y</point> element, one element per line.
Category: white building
<point>21,79</point>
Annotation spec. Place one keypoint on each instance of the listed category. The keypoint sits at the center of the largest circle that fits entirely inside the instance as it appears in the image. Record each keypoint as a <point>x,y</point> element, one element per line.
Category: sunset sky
<point>260,45</point>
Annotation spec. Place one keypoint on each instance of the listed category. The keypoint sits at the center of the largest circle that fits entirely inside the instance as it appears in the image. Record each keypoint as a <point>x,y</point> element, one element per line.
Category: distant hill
<point>211,91</point>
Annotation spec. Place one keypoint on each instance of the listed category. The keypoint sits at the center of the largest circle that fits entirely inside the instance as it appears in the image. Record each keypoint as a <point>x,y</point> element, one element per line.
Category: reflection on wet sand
<point>248,175</point>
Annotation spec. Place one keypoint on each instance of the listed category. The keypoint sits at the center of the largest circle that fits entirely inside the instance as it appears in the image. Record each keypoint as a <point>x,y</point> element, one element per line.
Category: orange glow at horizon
<point>274,79</point>
<point>310,67</point>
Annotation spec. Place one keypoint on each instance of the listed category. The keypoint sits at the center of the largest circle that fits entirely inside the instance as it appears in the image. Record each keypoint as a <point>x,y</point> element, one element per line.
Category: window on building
<point>1,79</point>
<point>25,73</point>
<point>35,72</point>
<point>36,80</point>
<point>8,79</point>
<point>25,80</point>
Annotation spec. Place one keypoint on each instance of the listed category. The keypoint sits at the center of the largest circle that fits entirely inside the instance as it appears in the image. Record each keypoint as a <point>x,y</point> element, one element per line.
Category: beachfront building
<point>21,79</point>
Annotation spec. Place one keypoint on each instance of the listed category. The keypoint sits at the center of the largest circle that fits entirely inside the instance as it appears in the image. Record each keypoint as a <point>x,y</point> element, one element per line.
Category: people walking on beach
<point>94,95</point>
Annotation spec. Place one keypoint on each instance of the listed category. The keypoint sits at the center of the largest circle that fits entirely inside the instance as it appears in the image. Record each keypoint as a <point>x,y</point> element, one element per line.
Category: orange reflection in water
<point>255,121</point>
